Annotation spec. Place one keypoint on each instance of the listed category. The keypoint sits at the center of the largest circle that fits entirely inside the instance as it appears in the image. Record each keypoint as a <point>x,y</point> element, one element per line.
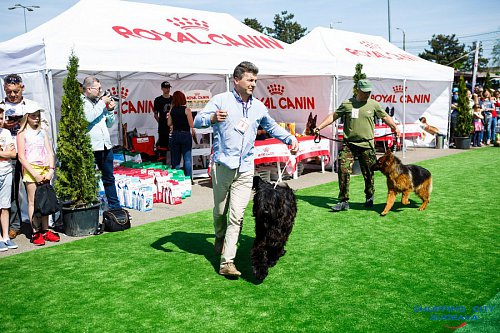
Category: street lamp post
<point>25,8</point>
<point>389,18</point>
<point>404,38</point>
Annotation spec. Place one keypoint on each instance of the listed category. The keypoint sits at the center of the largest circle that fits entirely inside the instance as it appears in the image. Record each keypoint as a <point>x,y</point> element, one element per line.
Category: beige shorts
<point>28,177</point>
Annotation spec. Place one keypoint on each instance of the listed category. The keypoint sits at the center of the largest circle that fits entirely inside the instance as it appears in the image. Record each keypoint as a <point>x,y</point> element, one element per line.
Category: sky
<point>469,20</point>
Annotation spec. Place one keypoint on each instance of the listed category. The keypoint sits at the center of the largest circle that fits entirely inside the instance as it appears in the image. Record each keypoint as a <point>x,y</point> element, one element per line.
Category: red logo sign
<point>398,89</point>
<point>187,24</point>
<point>144,106</point>
<point>276,89</point>
<point>370,45</point>
<point>284,102</point>
<point>197,35</point>
<point>374,50</point>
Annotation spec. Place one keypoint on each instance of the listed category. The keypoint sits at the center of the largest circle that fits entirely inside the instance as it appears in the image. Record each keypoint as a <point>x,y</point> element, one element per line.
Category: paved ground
<point>201,198</point>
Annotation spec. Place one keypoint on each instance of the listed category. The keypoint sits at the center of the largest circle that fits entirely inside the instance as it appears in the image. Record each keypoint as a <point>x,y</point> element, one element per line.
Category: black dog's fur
<point>274,210</point>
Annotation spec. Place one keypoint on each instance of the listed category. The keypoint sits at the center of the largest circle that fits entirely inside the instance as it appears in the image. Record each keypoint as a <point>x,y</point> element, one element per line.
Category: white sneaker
<point>10,244</point>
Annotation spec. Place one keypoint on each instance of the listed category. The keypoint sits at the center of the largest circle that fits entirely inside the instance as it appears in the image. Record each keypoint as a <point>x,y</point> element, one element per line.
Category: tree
<point>496,53</point>
<point>284,29</point>
<point>487,82</point>
<point>76,179</point>
<point>445,50</point>
<point>359,75</point>
<point>482,63</point>
<point>254,24</point>
<point>463,126</point>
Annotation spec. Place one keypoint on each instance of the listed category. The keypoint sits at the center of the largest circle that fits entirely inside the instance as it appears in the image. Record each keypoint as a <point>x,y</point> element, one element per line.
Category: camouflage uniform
<point>366,158</point>
<point>358,119</point>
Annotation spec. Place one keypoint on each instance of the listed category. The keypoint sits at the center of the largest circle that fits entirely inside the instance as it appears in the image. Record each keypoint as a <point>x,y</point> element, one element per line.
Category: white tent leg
<point>404,119</point>
<point>120,120</point>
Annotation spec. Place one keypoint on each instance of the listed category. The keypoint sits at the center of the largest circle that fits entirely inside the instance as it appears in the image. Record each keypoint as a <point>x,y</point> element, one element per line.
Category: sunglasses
<point>34,115</point>
<point>13,79</point>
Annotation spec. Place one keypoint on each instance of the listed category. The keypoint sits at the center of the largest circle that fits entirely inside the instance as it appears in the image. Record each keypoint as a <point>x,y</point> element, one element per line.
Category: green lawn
<point>351,271</point>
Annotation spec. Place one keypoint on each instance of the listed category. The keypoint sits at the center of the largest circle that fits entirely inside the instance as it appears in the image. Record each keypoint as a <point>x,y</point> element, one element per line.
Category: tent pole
<point>448,130</point>
<point>52,109</point>
<point>120,120</point>
<point>227,81</point>
<point>334,94</point>
<point>404,118</point>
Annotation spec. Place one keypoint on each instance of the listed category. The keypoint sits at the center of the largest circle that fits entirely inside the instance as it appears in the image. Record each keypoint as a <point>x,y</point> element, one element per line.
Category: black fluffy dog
<point>274,210</point>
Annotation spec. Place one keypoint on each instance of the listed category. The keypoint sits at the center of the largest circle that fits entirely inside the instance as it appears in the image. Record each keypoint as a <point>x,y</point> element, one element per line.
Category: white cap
<point>31,107</point>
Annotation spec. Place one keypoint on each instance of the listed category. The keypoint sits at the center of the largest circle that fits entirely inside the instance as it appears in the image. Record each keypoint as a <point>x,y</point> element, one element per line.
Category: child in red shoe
<point>37,158</point>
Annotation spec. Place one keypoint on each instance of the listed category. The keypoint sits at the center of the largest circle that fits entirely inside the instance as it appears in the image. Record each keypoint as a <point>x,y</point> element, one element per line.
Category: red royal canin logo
<point>369,49</point>
<point>128,106</point>
<point>276,89</point>
<point>399,89</point>
<point>394,99</point>
<point>195,31</point>
<point>370,45</point>
<point>187,24</point>
<point>123,92</point>
<point>284,102</point>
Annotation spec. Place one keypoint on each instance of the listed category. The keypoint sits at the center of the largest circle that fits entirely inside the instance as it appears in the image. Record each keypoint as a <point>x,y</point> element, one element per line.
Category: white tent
<point>132,47</point>
<point>126,37</point>
<point>413,86</point>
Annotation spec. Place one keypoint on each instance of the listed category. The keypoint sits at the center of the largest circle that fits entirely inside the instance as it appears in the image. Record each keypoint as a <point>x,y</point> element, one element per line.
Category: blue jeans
<point>181,144</point>
<point>493,125</point>
<point>104,161</point>
<point>487,125</point>
<point>477,138</point>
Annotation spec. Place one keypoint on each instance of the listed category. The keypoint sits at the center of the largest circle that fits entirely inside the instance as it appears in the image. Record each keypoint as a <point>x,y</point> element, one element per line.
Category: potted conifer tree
<point>464,124</point>
<point>76,183</point>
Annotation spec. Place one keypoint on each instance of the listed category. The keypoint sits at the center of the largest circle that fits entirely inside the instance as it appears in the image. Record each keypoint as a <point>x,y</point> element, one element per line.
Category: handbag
<point>46,202</point>
<point>116,220</point>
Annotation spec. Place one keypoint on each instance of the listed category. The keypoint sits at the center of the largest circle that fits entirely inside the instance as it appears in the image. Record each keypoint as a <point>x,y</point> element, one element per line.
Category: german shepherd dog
<point>311,124</point>
<point>403,179</point>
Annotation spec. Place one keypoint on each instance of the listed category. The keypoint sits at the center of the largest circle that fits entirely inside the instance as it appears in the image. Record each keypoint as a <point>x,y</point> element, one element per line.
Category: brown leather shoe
<point>219,245</point>
<point>13,233</point>
<point>229,269</point>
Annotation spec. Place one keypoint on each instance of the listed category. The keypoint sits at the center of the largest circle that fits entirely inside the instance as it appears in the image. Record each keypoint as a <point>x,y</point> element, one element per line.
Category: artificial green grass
<point>351,271</point>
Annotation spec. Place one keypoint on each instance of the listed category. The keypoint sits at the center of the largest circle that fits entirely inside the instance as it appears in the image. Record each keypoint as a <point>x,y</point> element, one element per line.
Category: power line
<point>458,37</point>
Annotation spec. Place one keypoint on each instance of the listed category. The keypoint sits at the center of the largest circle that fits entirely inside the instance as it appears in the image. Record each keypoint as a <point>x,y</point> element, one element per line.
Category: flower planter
<point>80,221</point>
<point>462,142</point>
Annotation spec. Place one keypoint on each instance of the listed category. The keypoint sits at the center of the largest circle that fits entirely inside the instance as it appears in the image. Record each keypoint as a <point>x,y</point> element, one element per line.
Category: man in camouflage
<point>359,132</point>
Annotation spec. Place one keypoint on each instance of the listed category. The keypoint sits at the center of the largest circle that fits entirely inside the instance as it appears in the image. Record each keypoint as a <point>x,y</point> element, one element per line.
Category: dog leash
<point>281,172</point>
<point>317,137</point>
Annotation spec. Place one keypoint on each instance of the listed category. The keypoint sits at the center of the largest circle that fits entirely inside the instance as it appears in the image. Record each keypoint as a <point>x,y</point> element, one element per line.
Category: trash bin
<point>440,141</point>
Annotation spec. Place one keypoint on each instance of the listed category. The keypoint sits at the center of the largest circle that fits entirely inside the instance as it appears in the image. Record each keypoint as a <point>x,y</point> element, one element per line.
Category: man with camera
<point>99,111</point>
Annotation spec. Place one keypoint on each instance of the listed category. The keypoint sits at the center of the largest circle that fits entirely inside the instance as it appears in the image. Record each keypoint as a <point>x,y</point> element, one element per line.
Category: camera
<point>107,93</point>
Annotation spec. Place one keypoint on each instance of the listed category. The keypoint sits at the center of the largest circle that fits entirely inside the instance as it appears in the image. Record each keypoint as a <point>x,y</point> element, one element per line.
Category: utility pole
<point>474,73</point>
<point>389,18</point>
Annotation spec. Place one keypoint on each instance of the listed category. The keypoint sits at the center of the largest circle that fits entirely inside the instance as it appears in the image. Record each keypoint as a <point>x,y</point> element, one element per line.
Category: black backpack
<point>46,202</point>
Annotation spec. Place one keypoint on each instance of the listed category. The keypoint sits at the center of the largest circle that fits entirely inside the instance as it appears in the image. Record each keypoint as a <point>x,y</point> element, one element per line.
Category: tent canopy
<point>128,37</point>
<point>380,58</point>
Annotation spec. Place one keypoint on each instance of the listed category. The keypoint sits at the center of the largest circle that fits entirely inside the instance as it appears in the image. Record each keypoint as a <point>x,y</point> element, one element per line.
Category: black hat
<point>165,84</point>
